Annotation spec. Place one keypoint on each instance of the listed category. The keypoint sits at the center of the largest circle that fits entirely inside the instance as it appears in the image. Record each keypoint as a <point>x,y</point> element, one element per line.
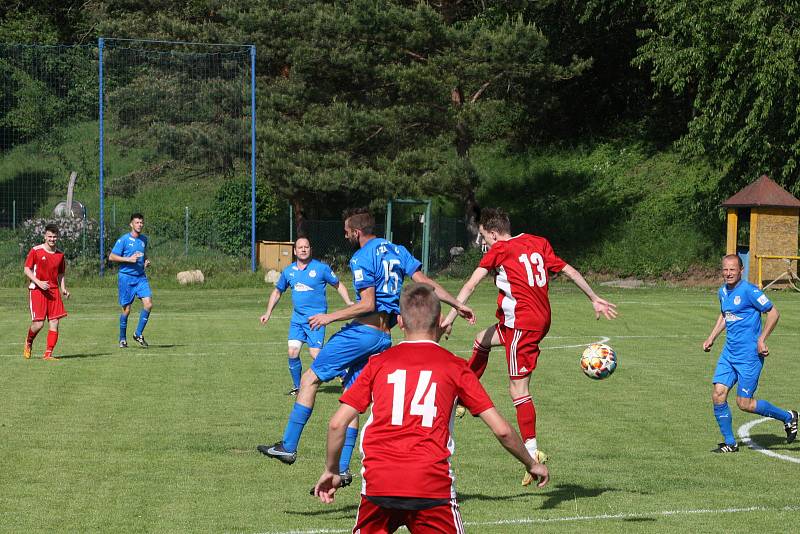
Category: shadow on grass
<point>553,497</point>
<point>775,442</point>
<point>330,388</point>
<point>84,355</point>
<point>346,512</point>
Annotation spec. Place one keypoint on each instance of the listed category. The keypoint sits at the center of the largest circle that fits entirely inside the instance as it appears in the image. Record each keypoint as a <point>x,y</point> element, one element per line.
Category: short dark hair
<point>302,237</point>
<point>51,227</point>
<point>734,256</point>
<point>420,308</point>
<point>137,215</point>
<point>495,220</point>
<point>360,219</point>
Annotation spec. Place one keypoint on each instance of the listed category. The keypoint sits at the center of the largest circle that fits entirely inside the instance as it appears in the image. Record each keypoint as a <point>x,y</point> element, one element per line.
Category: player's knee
<point>148,305</point>
<point>745,404</point>
<point>309,379</point>
<point>54,325</point>
<point>37,325</point>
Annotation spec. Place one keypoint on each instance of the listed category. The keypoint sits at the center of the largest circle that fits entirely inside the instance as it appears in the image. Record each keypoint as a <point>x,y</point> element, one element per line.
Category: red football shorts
<point>522,349</point>
<point>46,304</point>
<point>372,519</point>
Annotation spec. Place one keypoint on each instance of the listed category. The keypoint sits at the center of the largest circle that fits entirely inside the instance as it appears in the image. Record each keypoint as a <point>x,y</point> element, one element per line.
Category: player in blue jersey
<point>130,251</point>
<point>379,268</point>
<point>741,360</point>
<point>308,278</point>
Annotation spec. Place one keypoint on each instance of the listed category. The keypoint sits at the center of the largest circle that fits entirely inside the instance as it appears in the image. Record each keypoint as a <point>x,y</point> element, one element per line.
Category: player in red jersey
<point>406,442</point>
<point>521,265</point>
<point>45,267</point>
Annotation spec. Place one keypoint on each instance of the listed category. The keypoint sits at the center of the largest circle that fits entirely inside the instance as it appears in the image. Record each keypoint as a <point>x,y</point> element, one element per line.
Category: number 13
<point>540,279</point>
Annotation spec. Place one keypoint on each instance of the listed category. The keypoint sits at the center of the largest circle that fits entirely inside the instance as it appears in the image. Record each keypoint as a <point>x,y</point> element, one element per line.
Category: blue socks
<point>294,428</point>
<point>347,450</point>
<point>123,326</point>
<point>723,415</point>
<point>295,369</point>
<point>769,410</point>
<point>142,321</point>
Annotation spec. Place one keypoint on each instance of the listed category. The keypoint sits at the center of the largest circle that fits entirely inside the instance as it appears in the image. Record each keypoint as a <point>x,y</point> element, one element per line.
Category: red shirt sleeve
<point>553,263</point>
<point>489,260</point>
<point>30,260</point>
<point>359,396</point>
<point>471,393</point>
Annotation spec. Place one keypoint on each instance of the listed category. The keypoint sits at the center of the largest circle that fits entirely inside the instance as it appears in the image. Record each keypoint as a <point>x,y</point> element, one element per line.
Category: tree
<point>368,100</point>
<point>738,63</point>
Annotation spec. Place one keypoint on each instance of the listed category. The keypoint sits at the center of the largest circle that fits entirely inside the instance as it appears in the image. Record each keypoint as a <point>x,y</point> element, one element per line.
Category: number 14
<point>426,408</point>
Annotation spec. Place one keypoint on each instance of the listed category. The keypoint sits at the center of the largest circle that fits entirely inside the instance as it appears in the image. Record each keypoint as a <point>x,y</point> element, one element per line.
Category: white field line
<point>569,519</point>
<point>744,433</point>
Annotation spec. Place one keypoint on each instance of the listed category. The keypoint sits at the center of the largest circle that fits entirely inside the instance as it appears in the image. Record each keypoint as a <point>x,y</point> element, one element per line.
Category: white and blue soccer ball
<point>598,361</point>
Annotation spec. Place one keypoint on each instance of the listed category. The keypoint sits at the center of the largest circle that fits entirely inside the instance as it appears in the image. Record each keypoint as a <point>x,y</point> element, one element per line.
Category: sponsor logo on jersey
<point>732,318</point>
<point>302,287</point>
<point>358,275</point>
<point>737,300</point>
<point>763,300</point>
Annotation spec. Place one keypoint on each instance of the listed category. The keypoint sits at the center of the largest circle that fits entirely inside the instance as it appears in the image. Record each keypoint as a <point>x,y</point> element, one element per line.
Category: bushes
<point>75,235</point>
<point>232,213</point>
<point>610,207</point>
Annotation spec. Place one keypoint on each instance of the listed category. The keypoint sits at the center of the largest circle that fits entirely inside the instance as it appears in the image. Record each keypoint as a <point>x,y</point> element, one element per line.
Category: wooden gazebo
<point>762,230</point>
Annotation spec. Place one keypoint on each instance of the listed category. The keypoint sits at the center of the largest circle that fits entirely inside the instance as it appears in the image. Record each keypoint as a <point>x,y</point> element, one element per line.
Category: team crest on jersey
<point>737,300</point>
<point>312,273</point>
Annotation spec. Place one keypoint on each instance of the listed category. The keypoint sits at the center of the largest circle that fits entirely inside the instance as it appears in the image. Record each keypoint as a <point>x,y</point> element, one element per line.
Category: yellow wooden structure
<point>275,254</point>
<point>763,229</point>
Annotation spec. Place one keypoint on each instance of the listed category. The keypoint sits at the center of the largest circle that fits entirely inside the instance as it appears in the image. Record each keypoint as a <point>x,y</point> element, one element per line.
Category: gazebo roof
<point>762,193</point>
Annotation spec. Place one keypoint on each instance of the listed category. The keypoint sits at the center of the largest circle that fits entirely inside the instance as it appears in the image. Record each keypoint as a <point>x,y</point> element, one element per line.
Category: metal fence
<point>162,128</point>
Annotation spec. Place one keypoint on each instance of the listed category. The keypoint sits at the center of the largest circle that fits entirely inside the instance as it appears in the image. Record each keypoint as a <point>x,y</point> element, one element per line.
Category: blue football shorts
<point>303,333</point>
<point>348,350</point>
<point>132,287</point>
<point>743,373</point>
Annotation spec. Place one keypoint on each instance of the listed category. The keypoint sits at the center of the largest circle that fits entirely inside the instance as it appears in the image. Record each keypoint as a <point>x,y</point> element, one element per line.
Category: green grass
<point>164,440</point>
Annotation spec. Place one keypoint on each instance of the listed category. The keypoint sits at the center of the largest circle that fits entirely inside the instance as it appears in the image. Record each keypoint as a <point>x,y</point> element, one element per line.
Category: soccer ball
<point>598,361</point>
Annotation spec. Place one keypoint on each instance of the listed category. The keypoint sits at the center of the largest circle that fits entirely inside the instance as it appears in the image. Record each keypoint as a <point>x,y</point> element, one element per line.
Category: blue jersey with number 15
<point>383,265</point>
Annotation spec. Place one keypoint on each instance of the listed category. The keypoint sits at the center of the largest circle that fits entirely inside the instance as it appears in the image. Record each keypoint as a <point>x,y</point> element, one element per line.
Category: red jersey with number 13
<point>522,266</point>
<point>406,443</point>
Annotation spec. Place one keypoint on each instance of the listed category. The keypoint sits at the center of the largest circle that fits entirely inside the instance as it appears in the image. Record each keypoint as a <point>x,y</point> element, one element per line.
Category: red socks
<point>526,417</point>
<point>480,357</point>
<point>31,337</point>
<point>52,339</point>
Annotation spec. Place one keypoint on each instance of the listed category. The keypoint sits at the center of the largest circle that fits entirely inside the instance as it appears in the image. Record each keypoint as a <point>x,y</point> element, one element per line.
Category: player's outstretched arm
<point>365,305</point>
<point>466,292</point>
<point>719,326</point>
<point>274,297</point>
<point>342,290</point>
<point>601,306</point>
<point>462,309</point>
<point>509,438</point>
<point>330,481</point>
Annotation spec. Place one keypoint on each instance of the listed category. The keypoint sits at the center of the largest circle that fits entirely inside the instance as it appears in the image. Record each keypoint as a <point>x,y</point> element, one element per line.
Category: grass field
<point>163,440</point>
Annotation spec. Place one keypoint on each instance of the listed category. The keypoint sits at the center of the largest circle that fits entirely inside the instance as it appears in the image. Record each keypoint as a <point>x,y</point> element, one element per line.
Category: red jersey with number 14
<point>407,441</point>
<point>522,266</point>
